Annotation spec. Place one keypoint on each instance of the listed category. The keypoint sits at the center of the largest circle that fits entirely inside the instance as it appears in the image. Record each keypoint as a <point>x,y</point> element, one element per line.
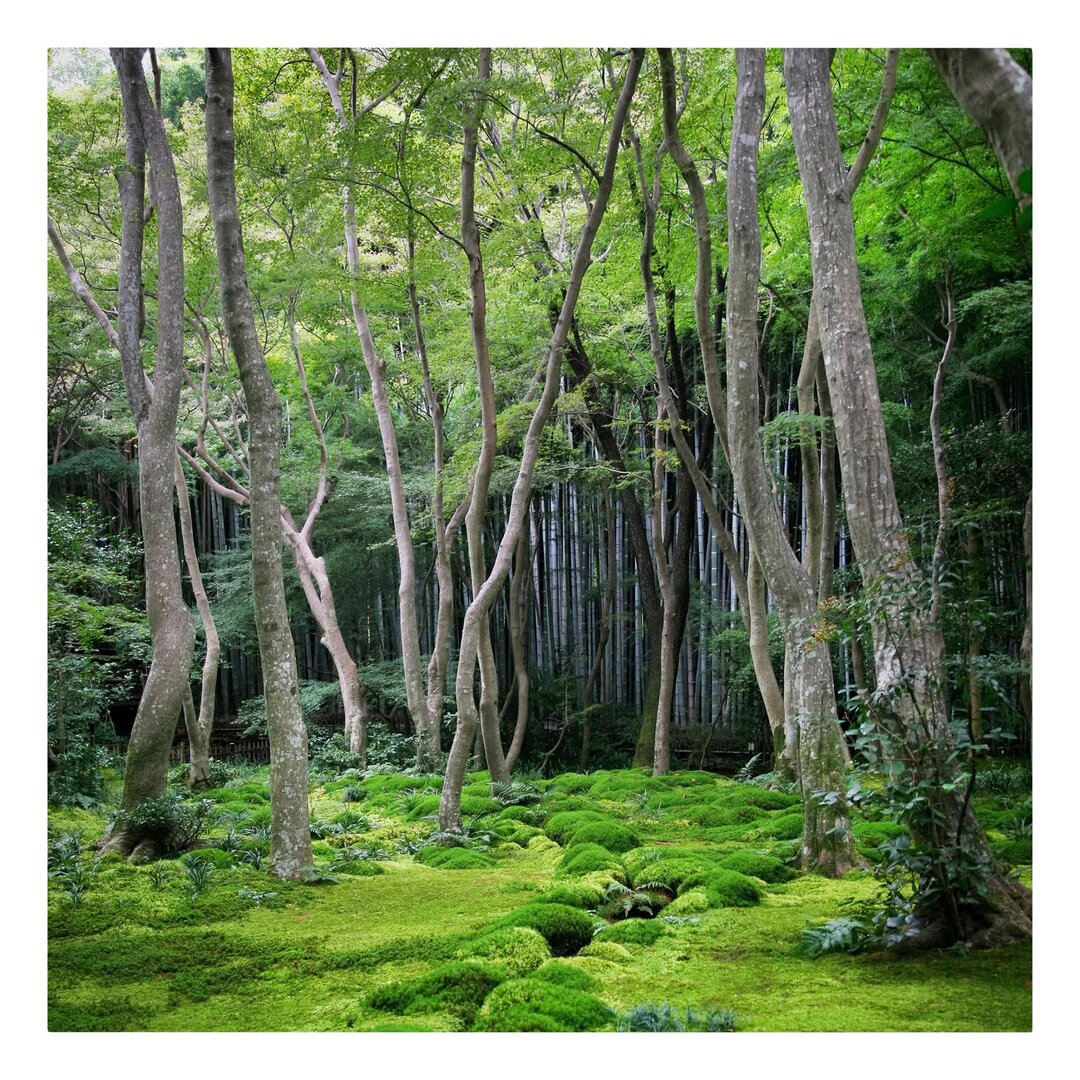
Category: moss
<point>220,860</point>
<point>560,827</point>
<point>564,973</point>
<point>453,858</point>
<point>566,929</point>
<point>359,868</point>
<point>632,932</point>
<point>587,859</point>
<point>538,1005</point>
<point>611,951</point>
<point>575,895</point>
<point>674,874</point>
<point>777,827</point>
<point>519,949</point>
<point>529,815</point>
<point>572,782</point>
<point>514,832</point>
<point>611,835</point>
<point>714,816</point>
<point>424,806</point>
<point>1013,852</point>
<point>765,867</point>
<point>729,888</point>
<point>458,989</point>
<point>763,798</point>
<point>690,902</point>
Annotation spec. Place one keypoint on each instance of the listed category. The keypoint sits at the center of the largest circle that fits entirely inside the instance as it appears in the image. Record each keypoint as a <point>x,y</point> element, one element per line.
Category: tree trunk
<point>907,648</point>
<point>290,842</point>
<point>155,410</point>
<point>450,804</point>
<point>827,846</point>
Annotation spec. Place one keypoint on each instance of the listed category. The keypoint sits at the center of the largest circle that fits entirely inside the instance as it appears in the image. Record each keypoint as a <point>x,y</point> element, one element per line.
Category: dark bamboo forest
<point>539,539</point>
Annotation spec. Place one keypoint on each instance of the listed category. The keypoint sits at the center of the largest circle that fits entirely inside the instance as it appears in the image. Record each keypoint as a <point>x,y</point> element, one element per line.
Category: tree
<point>290,842</point>
<point>907,647</point>
<point>155,411</point>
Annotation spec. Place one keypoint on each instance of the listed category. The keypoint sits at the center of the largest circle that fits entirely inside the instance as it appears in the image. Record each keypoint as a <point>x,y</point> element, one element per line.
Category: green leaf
<point>999,208</point>
<point>1023,181</point>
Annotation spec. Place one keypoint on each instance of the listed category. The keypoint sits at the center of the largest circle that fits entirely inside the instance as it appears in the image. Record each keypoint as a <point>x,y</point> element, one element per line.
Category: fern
<point>837,935</point>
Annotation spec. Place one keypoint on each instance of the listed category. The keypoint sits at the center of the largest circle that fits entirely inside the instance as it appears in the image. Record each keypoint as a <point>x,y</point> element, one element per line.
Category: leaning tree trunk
<point>172,631</point>
<point>907,647</point>
<point>826,846</point>
<point>450,803</point>
<point>290,840</point>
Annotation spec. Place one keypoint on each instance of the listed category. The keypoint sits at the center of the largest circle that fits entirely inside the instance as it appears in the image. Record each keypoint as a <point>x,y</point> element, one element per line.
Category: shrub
<point>608,834</point>
<point>652,1017</point>
<point>586,859</point>
<point>457,988</point>
<point>729,888</point>
<point>837,935</point>
<point>760,866</point>
<point>632,932</point>
<point>519,949</point>
<point>566,929</point>
<point>538,1005</point>
<point>561,826</point>
<point>456,858</point>
<point>169,821</point>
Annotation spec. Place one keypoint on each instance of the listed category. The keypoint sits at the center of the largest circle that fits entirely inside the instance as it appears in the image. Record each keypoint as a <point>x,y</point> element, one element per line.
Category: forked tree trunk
<point>290,840</point>
<point>484,598</point>
<point>171,627</point>
<point>907,648</point>
<point>826,846</point>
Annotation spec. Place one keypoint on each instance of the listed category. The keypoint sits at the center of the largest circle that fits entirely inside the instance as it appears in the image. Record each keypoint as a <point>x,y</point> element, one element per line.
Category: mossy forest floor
<point>501,935</point>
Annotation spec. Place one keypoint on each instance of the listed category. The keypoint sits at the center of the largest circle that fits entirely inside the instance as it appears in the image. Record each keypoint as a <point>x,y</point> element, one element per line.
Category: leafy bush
<point>79,778</point>
<point>566,929</point>
<point>632,932</point>
<point>538,1005</point>
<point>729,888</point>
<point>611,835</point>
<point>760,866</point>
<point>169,821</point>
<point>837,935</point>
<point>458,988</point>
<point>519,949</point>
<point>664,1017</point>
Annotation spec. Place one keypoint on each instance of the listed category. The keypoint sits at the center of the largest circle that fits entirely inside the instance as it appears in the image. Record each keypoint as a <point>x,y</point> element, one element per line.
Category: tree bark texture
<point>290,843</point>
<point>155,411</point>
<point>827,845</point>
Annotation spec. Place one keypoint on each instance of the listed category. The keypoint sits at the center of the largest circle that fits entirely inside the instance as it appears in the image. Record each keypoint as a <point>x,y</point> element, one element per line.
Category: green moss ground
<point>140,955</point>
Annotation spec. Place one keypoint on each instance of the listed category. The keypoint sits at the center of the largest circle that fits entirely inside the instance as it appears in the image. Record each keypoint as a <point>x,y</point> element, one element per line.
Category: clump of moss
<point>528,815</point>
<point>458,988</point>
<point>729,888</point>
<point>514,832</point>
<point>1013,852</point>
<point>608,834</point>
<point>713,815</point>
<point>632,932</point>
<point>358,868</point>
<point>587,859</point>
<point>575,895</point>
<point>564,973</point>
<point>561,826</point>
<point>778,827</point>
<point>611,951</point>
<point>690,902</point>
<point>751,864</point>
<point>566,929</point>
<point>572,782</point>
<point>538,1005</point>
<point>674,874</point>
<point>763,798</point>
<point>519,949</point>
<point>453,858</point>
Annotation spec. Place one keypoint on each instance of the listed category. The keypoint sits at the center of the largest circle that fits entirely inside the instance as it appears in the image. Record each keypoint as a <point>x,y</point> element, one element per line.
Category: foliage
<point>536,1004</point>
<point>632,932</point>
<point>664,1017</point>
<point>837,935</point>
<point>519,949</point>
<point>169,821</point>
<point>641,901</point>
<point>458,988</point>
<point>566,929</point>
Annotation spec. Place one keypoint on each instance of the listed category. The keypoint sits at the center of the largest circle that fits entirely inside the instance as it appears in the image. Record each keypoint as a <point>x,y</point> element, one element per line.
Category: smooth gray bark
<point>290,841</point>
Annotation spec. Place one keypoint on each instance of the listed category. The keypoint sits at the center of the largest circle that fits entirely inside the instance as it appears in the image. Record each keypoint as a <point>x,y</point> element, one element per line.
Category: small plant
<point>231,841</point>
<point>159,874</point>
<point>621,902</point>
<point>199,871</point>
<point>65,850</point>
<point>746,773</point>
<point>664,1017</point>
<point>262,831</point>
<point>837,935</point>
<point>313,875</point>
<point>516,793</point>
<point>352,794</point>
<point>253,856</point>
<point>253,896</point>
<point>169,821</point>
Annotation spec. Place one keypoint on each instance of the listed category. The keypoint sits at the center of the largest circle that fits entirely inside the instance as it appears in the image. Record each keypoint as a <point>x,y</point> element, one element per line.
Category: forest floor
<point>396,934</point>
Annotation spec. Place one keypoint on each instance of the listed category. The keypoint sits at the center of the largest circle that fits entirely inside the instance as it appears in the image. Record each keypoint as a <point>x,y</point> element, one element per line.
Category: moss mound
<point>459,989</point>
<point>561,826</point>
<point>539,1005</point>
<point>674,874</point>
<point>610,951</point>
<point>519,949</point>
<point>564,973</point>
<point>766,867</point>
<point>566,929</point>
<point>729,888</point>
<point>632,932</point>
<point>575,895</point>
<point>453,858</point>
<point>588,859</point>
<point>777,827</point>
<point>691,902</point>
<point>608,834</point>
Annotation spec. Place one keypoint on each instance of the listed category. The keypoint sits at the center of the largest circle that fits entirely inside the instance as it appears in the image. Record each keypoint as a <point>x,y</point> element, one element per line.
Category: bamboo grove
<point>575,407</point>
